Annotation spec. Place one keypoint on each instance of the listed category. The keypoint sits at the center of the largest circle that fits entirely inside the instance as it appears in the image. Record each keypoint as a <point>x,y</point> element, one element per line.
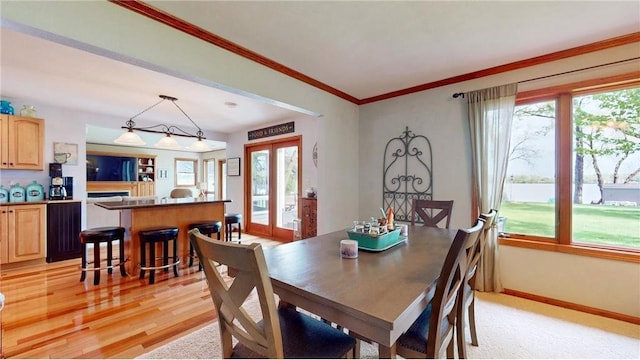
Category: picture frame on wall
<point>65,153</point>
<point>233,166</point>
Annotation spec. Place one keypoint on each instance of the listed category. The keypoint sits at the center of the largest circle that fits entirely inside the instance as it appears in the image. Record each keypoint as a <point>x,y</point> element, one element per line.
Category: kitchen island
<point>139,214</point>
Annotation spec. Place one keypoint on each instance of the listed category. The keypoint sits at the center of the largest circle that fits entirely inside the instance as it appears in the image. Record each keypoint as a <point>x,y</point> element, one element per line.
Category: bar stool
<point>206,228</point>
<point>96,236</point>
<point>158,235</point>
<point>229,221</point>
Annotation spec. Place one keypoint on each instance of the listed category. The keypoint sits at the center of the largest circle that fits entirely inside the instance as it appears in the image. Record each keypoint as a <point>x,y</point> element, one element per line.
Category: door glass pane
<point>606,161</point>
<point>223,181</point>
<point>528,199</point>
<point>287,185</point>
<point>260,187</point>
<point>210,175</point>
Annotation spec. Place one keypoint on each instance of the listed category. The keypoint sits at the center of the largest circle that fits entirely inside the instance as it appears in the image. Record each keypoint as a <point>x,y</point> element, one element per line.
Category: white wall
<point>305,126</point>
<point>599,283</point>
<point>121,34</point>
<point>435,115</point>
<point>604,284</point>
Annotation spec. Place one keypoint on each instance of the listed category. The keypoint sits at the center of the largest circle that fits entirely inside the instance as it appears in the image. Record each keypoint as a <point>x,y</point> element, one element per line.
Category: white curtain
<point>490,118</point>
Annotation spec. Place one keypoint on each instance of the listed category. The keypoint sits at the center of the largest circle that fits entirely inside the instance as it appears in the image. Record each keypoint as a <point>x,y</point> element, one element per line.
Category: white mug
<point>349,249</point>
<point>404,230</point>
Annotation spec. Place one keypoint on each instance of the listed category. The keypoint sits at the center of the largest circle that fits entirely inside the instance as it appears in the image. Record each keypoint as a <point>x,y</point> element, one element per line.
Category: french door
<point>271,186</point>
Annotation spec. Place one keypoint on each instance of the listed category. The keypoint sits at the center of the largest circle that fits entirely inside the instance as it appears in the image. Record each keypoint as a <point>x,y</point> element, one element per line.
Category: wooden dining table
<point>376,296</point>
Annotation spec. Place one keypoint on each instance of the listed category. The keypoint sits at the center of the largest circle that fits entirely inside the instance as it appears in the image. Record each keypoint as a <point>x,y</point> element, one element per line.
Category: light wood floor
<point>49,313</point>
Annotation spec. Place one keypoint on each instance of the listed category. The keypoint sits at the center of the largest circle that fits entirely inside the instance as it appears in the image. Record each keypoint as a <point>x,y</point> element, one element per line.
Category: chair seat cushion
<point>207,227</point>
<point>99,234</point>
<point>305,337</point>
<point>416,337</point>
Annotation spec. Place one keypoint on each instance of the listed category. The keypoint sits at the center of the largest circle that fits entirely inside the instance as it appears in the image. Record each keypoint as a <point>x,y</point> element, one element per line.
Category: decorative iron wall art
<point>407,173</point>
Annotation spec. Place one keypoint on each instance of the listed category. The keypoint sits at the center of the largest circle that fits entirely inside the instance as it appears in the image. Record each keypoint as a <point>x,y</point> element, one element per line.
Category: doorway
<point>272,186</point>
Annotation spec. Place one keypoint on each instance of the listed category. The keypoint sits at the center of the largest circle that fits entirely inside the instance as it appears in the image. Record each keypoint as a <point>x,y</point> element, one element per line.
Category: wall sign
<point>271,131</point>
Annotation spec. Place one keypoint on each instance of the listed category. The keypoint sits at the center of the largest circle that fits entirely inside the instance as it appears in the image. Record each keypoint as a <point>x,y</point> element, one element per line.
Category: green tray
<point>376,242</point>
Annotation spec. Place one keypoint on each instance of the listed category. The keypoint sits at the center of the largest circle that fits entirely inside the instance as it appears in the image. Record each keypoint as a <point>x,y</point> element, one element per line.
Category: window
<point>574,169</point>
<point>186,174</point>
<point>209,177</point>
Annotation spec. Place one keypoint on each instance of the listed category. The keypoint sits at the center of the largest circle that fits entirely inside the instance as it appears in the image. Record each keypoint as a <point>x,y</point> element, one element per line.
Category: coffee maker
<point>60,188</point>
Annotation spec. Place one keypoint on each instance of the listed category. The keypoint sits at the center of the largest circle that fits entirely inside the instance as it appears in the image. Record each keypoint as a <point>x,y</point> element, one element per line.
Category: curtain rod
<point>461,94</point>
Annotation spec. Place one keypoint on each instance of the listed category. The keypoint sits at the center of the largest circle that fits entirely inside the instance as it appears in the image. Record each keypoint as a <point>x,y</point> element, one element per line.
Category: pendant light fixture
<point>131,138</point>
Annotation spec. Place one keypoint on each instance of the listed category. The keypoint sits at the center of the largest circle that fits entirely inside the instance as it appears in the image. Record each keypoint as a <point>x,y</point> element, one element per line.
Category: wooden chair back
<point>180,193</point>
<point>252,273</point>
<point>432,212</point>
<point>446,301</point>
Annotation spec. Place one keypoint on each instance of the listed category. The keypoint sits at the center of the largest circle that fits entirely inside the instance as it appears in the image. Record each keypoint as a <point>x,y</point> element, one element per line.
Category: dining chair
<point>283,332</point>
<point>433,331</point>
<point>431,212</point>
<point>180,193</point>
<point>468,297</point>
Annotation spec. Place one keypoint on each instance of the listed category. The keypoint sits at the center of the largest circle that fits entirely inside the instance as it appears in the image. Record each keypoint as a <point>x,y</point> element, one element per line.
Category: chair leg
<point>190,255</point>
<point>460,329</point>
<point>152,258</point>
<point>239,231</point>
<point>450,351</point>
<point>175,256</point>
<point>83,275</point>
<point>96,263</point>
<point>109,257</point>
<point>123,270</point>
<point>143,259</point>
<point>165,255</point>
<point>472,321</point>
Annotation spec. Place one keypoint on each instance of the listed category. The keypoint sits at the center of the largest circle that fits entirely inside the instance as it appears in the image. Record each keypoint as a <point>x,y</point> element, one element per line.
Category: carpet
<point>508,328</point>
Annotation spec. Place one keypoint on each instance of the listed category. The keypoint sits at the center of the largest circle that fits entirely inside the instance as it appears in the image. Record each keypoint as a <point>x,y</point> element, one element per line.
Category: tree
<point>610,128</point>
<point>523,134</point>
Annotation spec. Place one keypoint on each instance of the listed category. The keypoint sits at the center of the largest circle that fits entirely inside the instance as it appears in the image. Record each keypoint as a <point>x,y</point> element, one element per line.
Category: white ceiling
<point>361,48</point>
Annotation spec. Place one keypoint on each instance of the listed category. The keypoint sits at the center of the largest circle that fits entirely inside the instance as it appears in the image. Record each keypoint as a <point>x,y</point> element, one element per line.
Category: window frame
<point>194,165</point>
<point>563,96</point>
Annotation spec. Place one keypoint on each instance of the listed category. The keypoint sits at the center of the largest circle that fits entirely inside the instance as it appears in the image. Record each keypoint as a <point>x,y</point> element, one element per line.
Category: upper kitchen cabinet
<point>21,143</point>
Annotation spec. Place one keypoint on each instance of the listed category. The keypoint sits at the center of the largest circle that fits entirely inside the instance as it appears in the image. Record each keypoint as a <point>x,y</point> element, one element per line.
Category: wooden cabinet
<point>63,227</point>
<point>146,169</point>
<point>24,228</point>
<point>21,143</point>
<point>309,217</point>
<point>146,188</point>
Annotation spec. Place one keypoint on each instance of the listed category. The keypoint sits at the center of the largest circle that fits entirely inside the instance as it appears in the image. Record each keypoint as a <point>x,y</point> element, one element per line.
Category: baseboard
<point>573,306</point>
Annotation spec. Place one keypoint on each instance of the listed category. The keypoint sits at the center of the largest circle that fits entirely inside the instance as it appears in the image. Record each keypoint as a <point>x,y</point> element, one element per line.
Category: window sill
<point>582,250</point>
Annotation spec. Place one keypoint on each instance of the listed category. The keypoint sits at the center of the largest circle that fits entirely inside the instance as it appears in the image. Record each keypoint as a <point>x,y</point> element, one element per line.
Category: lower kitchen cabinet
<point>23,229</point>
<point>63,228</point>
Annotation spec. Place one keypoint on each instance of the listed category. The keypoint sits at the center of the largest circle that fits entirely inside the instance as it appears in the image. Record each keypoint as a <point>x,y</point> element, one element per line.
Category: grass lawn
<point>601,224</point>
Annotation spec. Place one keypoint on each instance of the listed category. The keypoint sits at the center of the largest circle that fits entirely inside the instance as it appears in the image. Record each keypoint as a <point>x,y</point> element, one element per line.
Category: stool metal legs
<point>96,261</point>
<point>152,259</point>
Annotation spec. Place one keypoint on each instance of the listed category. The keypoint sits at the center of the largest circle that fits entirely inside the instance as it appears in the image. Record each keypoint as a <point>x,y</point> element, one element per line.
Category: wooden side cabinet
<point>146,188</point>
<point>309,217</point>
<point>24,227</point>
<point>63,229</point>
<point>21,143</point>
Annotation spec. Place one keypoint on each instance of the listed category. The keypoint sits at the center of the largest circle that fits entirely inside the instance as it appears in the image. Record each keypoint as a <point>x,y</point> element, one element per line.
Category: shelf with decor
<point>146,169</point>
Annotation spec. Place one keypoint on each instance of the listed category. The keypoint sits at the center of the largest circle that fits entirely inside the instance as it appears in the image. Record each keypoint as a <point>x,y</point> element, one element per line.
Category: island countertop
<point>143,213</point>
<point>148,203</point>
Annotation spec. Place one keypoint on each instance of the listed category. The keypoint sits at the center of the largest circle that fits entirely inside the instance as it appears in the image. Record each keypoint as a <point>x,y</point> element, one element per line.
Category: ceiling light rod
<point>165,129</point>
